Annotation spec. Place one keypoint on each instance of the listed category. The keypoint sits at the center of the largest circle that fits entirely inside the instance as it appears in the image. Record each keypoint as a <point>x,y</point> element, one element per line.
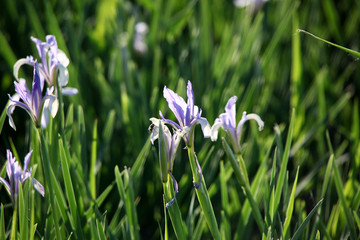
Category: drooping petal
<point>205,127</point>
<point>257,119</point>
<point>62,58</point>
<point>6,184</point>
<point>215,129</point>
<point>28,60</point>
<point>68,91</point>
<point>63,75</point>
<point>245,118</point>
<point>38,187</point>
<point>172,123</point>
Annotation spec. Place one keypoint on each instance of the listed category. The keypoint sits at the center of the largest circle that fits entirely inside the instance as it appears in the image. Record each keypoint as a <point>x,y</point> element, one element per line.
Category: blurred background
<point>122,53</point>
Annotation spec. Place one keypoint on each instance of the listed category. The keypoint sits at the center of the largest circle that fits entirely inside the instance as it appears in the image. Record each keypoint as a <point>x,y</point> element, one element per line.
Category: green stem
<point>174,212</point>
<point>203,196</point>
<point>238,173</point>
<point>49,184</point>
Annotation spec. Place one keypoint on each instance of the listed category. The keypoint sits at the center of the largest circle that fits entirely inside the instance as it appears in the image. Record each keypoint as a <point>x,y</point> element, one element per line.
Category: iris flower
<point>170,143</point>
<point>187,114</point>
<point>16,175</point>
<point>53,66</point>
<point>227,121</point>
<point>39,108</point>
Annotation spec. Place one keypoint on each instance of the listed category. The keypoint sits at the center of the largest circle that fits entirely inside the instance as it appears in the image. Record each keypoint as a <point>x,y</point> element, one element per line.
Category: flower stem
<point>243,183</point>
<point>49,184</point>
<point>203,196</point>
<point>174,212</point>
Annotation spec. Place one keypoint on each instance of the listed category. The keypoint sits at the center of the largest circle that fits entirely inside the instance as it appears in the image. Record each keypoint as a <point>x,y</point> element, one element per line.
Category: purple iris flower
<point>16,175</point>
<point>227,121</point>
<point>53,66</point>
<point>39,108</point>
<point>171,143</point>
<point>187,114</point>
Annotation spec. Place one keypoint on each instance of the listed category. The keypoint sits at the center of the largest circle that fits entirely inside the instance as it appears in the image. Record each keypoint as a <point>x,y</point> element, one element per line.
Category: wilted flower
<point>39,108</point>
<point>53,66</point>
<point>168,145</point>
<point>187,114</point>
<point>16,175</point>
<point>227,121</point>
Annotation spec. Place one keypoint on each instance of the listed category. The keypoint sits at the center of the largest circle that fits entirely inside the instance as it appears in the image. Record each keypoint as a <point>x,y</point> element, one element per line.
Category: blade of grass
<point>2,118</point>
<point>23,213</point>
<point>2,223</point>
<point>69,189</point>
<point>290,208</point>
<point>284,162</point>
<point>346,210</point>
<point>92,171</point>
<point>129,204</point>
<point>307,219</point>
<point>256,211</point>
<point>350,51</point>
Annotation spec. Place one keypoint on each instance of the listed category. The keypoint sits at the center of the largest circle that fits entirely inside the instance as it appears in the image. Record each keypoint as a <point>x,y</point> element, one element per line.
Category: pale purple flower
<point>171,143</point>
<point>187,114</point>
<point>53,66</point>
<point>16,175</point>
<point>39,108</point>
<point>227,121</point>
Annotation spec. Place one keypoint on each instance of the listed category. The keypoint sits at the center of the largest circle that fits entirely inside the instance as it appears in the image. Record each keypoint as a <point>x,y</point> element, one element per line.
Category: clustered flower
<point>40,103</point>
<point>188,116</point>
<point>53,70</point>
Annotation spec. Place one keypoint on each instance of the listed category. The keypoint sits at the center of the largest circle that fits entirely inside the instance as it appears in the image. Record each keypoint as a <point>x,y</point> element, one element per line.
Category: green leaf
<point>92,171</point>
<point>346,210</point>
<point>128,198</point>
<point>283,168</point>
<point>290,207</point>
<point>2,223</point>
<point>307,219</point>
<point>69,189</point>
<point>2,118</point>
<point>352,52</point>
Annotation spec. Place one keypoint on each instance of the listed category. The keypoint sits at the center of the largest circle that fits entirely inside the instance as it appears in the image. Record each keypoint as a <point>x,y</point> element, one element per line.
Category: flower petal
<point>215,129</point>
<point>6,184</point>
<point>38,187</point>
<point>68,91</point>
<point>63,75</point>
<point>28,60</point>
<point>230,109</point>
<point>176,104</point>
<point>205,127</point>
<point>27,160</point>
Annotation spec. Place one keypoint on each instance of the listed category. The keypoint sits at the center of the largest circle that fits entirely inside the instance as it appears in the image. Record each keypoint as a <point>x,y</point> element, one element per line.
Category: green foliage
<point>298,178</point>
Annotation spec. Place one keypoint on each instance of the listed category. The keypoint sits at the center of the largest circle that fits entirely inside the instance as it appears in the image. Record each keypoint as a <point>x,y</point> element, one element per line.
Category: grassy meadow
<point>298,178</point>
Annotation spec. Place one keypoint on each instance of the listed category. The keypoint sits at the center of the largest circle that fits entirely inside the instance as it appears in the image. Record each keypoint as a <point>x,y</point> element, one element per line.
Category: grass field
<point>298,178</point>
